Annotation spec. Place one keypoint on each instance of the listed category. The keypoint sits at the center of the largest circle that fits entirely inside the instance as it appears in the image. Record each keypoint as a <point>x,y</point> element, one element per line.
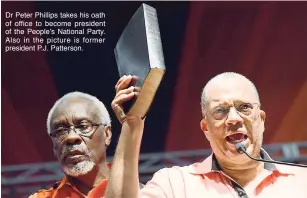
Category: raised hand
<point>123,94</point>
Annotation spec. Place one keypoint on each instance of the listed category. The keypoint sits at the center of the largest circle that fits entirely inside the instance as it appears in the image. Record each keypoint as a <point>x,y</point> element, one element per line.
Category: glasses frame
<point>73,127</point>
<point>211,112</point>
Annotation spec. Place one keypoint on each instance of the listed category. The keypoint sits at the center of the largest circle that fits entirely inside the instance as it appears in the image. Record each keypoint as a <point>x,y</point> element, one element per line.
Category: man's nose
<point>73,137</point>
<point>233,117</point>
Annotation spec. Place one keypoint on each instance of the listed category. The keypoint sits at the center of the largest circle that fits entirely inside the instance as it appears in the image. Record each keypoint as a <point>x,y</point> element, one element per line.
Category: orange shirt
<point>64,189</point>
<point>206,180</point>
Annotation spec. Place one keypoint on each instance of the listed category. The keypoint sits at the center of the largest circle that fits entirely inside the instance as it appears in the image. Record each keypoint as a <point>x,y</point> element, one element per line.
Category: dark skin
<point>74,112</point>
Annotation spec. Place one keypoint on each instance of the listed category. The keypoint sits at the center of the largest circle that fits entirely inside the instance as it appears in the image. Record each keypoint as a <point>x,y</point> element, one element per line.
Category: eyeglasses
<point>221,112</point>
<point>85,128</point>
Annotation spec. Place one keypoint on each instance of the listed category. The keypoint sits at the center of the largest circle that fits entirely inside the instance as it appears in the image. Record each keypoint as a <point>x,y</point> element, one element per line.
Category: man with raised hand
<point>232,114</point>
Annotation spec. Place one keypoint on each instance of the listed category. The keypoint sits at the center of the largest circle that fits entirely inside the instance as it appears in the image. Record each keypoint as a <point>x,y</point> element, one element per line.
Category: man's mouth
<point>72,153</point>
<point>236,138</point>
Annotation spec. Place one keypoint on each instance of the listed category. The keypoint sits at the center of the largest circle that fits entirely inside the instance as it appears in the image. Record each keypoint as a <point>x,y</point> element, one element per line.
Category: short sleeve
<point>159,186</point>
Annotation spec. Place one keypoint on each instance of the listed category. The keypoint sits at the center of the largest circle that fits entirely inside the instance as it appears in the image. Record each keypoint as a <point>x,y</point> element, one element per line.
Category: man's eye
<point>83,126</point>
<point>245,106</point>
<point>220,110</point>
<point>60,129</point>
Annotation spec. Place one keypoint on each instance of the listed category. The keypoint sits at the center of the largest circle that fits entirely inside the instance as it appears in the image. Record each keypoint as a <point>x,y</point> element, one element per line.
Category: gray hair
<point>223,76</point>
<point>104,114</point>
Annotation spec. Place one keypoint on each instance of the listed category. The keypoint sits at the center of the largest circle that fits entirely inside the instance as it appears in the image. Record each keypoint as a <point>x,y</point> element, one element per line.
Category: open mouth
<point>236,138</point>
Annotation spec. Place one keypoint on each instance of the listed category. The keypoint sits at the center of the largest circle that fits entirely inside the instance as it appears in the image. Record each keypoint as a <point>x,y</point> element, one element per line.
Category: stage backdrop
<point>27,93</point>
<point>33,81</point>
<point>266,41</point>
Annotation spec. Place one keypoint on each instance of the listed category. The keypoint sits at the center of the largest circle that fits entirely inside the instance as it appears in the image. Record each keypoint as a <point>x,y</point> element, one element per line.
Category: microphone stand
<point>241,148</point>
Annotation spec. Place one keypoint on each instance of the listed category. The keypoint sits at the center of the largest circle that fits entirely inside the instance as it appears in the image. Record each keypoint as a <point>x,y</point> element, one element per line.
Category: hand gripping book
<point>139,53</point>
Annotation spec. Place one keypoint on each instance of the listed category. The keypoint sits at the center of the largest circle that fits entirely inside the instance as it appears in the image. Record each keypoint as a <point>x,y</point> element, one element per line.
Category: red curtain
<point>266,41</point>
<point>263,40</point>
<point>28,92</point>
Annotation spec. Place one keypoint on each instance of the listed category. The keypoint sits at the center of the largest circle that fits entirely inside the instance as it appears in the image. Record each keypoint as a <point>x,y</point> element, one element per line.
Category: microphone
<point>242,149</point>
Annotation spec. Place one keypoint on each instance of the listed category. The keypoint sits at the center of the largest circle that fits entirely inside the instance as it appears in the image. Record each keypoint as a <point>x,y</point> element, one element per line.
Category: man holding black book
<point>232,115</point>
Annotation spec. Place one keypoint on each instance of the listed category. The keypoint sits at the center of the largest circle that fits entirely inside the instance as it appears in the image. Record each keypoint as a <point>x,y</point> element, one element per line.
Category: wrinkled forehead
<point>75,109</point>
<point>230,91</point>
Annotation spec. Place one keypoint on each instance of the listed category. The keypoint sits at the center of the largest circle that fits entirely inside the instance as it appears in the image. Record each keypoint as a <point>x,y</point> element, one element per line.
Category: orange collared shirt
<point>66,190</point>
<point>206,180</point>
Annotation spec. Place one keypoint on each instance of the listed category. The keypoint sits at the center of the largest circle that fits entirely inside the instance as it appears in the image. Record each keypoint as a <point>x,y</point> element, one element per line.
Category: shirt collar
<point>210,164</point>
<point>65,180</point>
<point>95,192</point>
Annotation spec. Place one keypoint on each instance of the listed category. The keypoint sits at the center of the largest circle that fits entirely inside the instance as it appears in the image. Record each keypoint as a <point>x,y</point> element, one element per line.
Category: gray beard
<point>81,168</point>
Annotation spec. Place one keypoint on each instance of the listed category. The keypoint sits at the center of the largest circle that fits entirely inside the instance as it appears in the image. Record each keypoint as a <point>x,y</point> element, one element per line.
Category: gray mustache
<point>66,149</point>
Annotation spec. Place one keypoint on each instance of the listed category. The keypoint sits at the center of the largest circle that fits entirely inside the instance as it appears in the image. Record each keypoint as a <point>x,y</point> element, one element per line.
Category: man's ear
<point>54,153</point>
<point>108,135</point>
<point>203,125</point>
<point>204,128</point>
<point>54,149</point>
<point>262,115</point>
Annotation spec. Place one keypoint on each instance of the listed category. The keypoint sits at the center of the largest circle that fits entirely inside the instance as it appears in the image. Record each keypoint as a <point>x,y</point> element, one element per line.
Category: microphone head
<point>240,147</point>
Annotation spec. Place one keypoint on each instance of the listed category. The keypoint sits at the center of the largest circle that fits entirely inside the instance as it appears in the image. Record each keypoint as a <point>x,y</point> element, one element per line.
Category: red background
<point>266,41</point>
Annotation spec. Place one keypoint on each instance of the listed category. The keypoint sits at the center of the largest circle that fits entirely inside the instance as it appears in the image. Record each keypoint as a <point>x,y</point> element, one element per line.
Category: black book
<point>139,53</point>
